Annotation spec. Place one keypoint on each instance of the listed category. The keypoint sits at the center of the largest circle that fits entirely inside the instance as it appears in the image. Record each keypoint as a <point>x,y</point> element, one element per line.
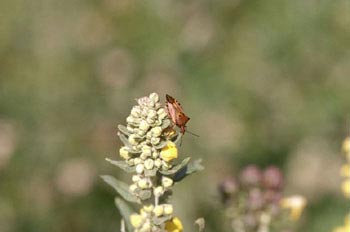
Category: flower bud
<point>143,183</point>
<point>155,140</point>
<point>149,164</point>
<point>154,97</point>
<point>136,220</point>
<point>155,154</point>
<point>148,208</point>
<point>139,168</point>
<point>162,113</point>
<point>132,139</point>
<point>167,182</point>
<point>146,149</point>
<point>124,153</point>
<point>130,129</point>
<point>168,209</point>
<point>137,161</point>
<point>158,163</point>
<point>135,178</point>
<point>130,119</point>
<point>146,227</point>
<point>135,112</point>
<point>144,126</point>
<point>158,210</point>
<point>143,156</point>
<point>150,121</point>
<point>158,191</point>
<point>157,131</point>
<point>152,114</point>
<point>133,187</point>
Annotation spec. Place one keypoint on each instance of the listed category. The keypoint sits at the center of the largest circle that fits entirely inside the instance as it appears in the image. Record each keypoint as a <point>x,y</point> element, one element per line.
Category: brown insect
<point>176,113</point>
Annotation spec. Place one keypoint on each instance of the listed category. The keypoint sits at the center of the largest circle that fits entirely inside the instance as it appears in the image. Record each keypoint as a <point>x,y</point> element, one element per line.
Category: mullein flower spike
<point>150,153</point>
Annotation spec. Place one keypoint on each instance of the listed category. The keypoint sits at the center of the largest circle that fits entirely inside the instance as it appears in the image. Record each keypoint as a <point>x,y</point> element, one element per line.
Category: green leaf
<point>194,166</point>
<point>178,138</point>
<point>125,210</point>
<point>123,129</point>
<point>176,168</point>
<point>161,145</point>
<point>189,169</point>
<point>124,140</point>
<point>121,164</point>
<point>121,187</point>
<point>160,220</point>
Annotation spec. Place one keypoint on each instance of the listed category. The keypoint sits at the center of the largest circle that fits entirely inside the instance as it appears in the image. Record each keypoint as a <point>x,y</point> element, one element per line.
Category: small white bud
<point>154,97</point>
<point>167,182</point>
<point>142,183</point>
<point>168,209</point>
<point>133,187</point>
<point>158,163</point>
<point>139,168</point>
<point>123,151</point>
<point>150,121</point>
<point>130,119</point>
<point>137,161</point>
<point>162,113</point>
<point>135,178</point>
<point>135,111</point>
<point>155,140</point>
<point>146,227</point>
<point>140,133</point>
<point>144,126</point>
<point>148,208</point>
<point>149,164</point>
<point>143,156</point>
<point>149,135</point>
<point>158,191</point>
<point>157,131</point>
<point>144,112</point>
<point>158,210</point>
<point>155,154</point>
<point>152,114</point>
<point>132,139</point>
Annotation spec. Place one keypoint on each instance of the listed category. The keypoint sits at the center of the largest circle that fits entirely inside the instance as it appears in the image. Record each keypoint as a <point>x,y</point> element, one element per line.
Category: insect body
<point>176,113</point>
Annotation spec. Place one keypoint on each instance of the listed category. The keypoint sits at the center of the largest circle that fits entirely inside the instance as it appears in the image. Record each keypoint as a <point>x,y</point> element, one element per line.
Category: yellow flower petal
<point>345,170</point>
<point>346,188</point>
<point>346,145</point>
<point>173,225</point>
<point>296,204</point>
<point>169,152</point>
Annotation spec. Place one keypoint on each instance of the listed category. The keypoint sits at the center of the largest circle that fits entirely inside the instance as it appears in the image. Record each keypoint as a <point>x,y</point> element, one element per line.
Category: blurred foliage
<point>264,82</point>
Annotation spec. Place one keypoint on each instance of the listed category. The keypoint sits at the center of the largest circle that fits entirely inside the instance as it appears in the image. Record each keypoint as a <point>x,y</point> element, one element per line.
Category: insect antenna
<point>192,133</point>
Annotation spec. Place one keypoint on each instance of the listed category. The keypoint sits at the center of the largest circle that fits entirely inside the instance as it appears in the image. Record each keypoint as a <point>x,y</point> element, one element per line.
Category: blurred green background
<point>265,82</point>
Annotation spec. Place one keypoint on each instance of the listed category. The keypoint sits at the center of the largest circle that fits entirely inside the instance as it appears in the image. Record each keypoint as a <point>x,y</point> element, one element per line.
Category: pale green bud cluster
<point>149,152</point>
